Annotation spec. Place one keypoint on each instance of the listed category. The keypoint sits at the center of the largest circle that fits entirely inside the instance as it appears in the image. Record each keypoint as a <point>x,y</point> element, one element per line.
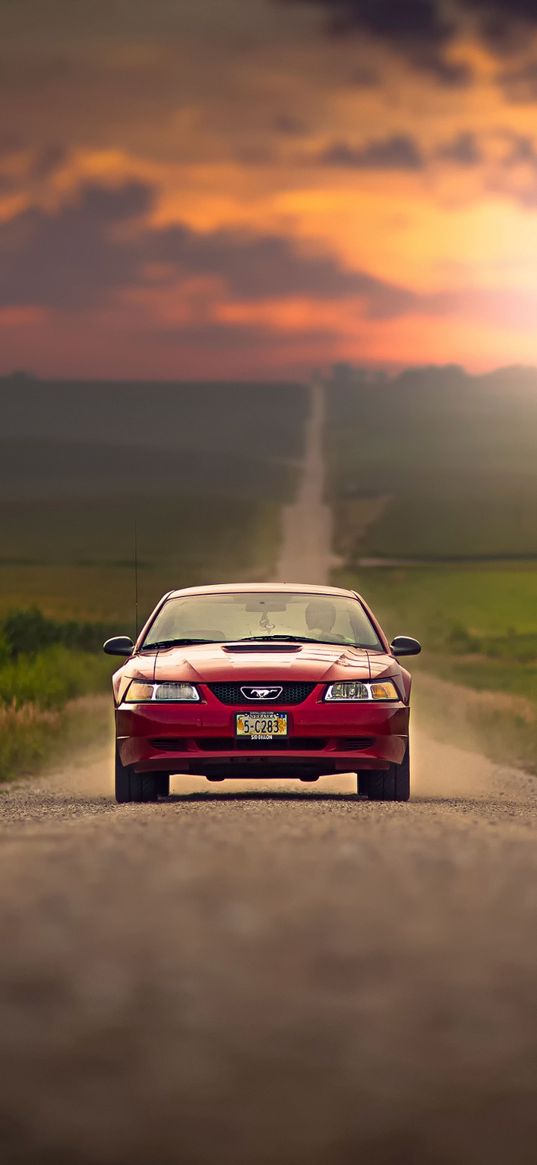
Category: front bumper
<point>323,738</point>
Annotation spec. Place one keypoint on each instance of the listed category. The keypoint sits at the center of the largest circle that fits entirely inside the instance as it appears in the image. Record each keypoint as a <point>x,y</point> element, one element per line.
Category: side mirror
<point>404,645</point>
<point>120,645</point>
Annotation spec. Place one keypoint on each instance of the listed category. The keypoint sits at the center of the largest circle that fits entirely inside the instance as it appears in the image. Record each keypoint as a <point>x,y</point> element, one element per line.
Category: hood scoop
<point>258,647</point>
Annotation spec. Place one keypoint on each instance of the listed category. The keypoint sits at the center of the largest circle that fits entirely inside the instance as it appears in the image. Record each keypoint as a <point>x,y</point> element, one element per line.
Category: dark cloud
<point>520,84</point>
<point>423,30</point>
<point>464,150</point>
<point>496,152</point>
<point>415,21</point>
<point>42,164</point>
<point>47,161</point>
<point>76,256</point>
<point>520,149</point>
<point>260,267</point>
<point>364,77</point>
<point>519,166</point>
<point>502,23</point>
<point>67,258</point>
<point>449,74</point>
<point>289,126</point>
<point>419,29</point>
<point>398,152</point>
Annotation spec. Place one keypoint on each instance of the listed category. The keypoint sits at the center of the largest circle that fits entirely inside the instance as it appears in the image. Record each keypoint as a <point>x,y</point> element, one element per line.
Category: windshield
<point>224,618</point>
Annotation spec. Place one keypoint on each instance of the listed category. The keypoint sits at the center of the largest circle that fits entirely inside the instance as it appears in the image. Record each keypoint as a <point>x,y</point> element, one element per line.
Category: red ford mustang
<point>253,680</point>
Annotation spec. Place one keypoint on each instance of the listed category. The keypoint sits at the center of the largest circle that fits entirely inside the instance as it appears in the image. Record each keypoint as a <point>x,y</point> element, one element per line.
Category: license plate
<point>261,725</point>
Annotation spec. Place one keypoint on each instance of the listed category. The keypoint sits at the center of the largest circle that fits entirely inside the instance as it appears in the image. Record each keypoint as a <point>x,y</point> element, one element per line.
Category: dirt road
<point>306,553</point>
<point>270,977</point>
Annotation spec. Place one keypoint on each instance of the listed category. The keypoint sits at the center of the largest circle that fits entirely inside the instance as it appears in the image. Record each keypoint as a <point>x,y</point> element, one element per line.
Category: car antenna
<point>135,535</point>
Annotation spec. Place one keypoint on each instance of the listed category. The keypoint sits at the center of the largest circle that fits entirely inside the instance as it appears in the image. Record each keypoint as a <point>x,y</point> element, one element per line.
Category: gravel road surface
<point>266,974</point>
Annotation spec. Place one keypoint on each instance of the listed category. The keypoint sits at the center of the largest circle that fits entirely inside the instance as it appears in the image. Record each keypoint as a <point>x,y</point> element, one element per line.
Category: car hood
<point>210,663</point>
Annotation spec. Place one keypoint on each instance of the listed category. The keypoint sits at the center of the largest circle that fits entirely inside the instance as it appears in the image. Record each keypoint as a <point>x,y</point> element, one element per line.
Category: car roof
<point>256,587</point>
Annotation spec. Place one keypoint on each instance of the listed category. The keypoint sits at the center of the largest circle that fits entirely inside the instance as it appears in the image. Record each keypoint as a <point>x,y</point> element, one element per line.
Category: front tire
<point>123,782</point>
<point>131,786</point>
<point>391,785</point>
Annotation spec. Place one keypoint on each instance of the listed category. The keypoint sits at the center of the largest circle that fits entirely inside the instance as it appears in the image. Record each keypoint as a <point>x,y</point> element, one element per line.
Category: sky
<point>239,188</point>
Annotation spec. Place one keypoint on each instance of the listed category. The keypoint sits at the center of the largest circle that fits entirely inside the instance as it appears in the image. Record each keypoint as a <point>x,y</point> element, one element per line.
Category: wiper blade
<point>175,643</point>
<point>296,639</point>
<point>247,639</point>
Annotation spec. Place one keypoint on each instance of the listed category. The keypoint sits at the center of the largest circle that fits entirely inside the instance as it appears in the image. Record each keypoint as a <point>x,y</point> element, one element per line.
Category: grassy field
<point>436,473</point>
<point>201,470</point>
<point>451,458</point>
<point>75,557</point>
<point>478,625</point>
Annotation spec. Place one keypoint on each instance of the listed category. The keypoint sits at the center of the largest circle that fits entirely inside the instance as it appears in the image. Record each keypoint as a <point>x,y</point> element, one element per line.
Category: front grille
<point>291,693</point>
<point>282,744</point>
<point>286,744</point>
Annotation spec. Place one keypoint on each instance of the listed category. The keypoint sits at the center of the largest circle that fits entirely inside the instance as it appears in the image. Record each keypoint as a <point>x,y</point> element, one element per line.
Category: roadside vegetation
<point>436,525</point>
<point>45,665</point>
<point>200,471</point>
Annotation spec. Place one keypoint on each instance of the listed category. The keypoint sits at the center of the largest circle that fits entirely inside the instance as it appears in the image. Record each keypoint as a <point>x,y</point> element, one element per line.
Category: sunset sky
<point>261,187</point>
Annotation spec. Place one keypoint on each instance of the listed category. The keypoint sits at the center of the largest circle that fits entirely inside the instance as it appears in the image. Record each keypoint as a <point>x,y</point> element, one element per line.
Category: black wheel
<point>131,786</point>
<point>144,786</point>
<point>123,782</point>
<point>391,785</point>
<point>163,782</point>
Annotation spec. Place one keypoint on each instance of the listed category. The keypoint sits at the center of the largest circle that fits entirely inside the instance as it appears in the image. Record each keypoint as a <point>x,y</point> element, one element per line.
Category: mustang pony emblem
<point>261,693</point>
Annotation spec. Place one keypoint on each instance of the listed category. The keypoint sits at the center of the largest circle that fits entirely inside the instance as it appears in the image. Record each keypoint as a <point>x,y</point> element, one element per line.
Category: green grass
<point>45,667</point>
<point>478,626</point>
<point>53,676</point>
<point>45,662</point>
<point>27,631</point>
<point>490,602</point>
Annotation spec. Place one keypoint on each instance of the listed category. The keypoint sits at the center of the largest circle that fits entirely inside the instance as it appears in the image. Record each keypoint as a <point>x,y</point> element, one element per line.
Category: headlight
<point>139,692</point>
<point>386,690</point>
